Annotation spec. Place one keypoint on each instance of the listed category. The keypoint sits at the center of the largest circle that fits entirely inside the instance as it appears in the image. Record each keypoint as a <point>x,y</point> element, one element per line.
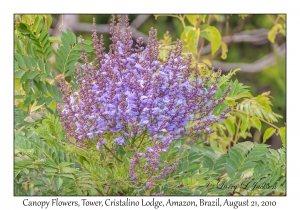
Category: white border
<point>8,8</point>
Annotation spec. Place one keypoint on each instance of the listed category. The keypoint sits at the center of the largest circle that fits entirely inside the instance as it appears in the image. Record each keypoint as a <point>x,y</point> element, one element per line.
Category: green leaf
<point>282,31</point>
<point>71,35</point>
<point>192,19</point>
<point>224,50</point>
<point>54,39</point>
<point>20,61</point>
<point>37,22</point>
<point>32,74</point>
<point>213,35</point>
<point>191,36</point>
<point>88,48</point>
<point>27,62</point>
<point>87,42</point>
<point>255,122</point>
<point>93,191</point>
<point>27,86</point>
<point>41,65</point>
<point>78,191</point>
<point>243,16</point>
<point>50,170</point>
<point>47,68</point>
<point>48,21</point>
<point>207,62</point>
<point>29,119</point>
<point>282,134</point>
<point>217,17</point>
<point>68,170</point>
<point>58,182</point>
<point>27,101</point>
<point>203,17</point>
<point>273,32</point>
<point>22,28</point>
<point>35,116</point>
<point>37,183</point>
<point>283,16</point>
<point>24,77</point>
<point>43,88</point>
<point>69,52</point>
<point>269,132</point>
<point>230,126</point>
<point>48,101</point>
<point>49,88</point>
<point>19,46</point>
<point>19,73</point>
<point>19,97</point>
<point>43,35</point>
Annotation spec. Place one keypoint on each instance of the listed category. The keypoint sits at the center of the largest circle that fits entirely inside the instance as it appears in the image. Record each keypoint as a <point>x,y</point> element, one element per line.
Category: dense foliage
<point>143,120</point>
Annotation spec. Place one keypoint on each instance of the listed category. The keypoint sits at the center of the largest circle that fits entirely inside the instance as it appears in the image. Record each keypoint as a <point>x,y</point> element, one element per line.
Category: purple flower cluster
<point>129,92</point>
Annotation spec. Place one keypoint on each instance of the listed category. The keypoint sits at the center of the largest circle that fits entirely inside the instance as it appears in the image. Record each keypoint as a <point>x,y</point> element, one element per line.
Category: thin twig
<point>198,23</point>
<point>237,134</point>
<point>62,22</point>
<point>257,66</point>
<point>200,50</point>
<point>112,153</point>
<point>274,126</point>
<point>227,25</point>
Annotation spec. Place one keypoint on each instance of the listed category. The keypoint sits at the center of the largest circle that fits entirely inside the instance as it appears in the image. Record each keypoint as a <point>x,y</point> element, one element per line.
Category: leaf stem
<point>182,20</point>
<point>236,138</point>
<point>274,126</point>
<point>112,153</point>
<point>142,139</point>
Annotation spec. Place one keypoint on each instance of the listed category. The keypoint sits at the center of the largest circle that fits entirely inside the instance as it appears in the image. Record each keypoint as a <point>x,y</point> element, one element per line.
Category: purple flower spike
<point>130,92</point>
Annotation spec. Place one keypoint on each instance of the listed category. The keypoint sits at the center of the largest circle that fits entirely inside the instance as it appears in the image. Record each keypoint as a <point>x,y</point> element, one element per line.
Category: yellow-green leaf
<point>78,191</point>
<point>191,36</point>
<point>283,16</point>
<point>55,39</point>
<point>273,32</point>
<point>29,119</point>
<point>244,125</point>
<point>213,35</point>
<point>224,50</point>
<point>282,133</point>
<point>230,126</point>
<point>207,62</point>
<point>269,132</point>
<point>282,31</point>
<point>48,21</point>
<point>203,17</point>
<point>93,191</point>
<point>255,122</point>
<point>37,22</point>
<point>243,16</point>
<point>58,182</point>
<point>192,19</point>
<point>217,17</point>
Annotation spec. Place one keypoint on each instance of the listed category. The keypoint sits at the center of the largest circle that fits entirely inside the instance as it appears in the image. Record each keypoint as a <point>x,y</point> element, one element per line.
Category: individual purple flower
<point>100,143</point>
<point>120,140</point>
<point>149,184</point>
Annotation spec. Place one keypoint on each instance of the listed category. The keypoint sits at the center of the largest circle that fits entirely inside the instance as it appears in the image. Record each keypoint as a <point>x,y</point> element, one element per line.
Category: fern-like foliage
<point>34,78</point>
<point>259,106</point>
<point>69,51</point>
<point>43,169</point>
<point>249,169</point>
<point>247,112</point>
<point>35,28</point>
